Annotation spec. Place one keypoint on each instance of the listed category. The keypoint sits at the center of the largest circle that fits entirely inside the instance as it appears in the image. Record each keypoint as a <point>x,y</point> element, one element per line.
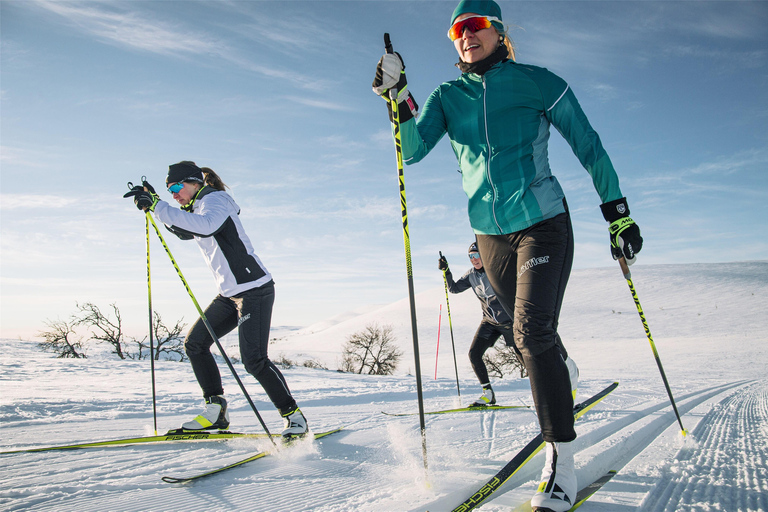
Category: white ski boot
<point>573,372</point>
<point>487,398</point>
<point>295,424</point>
<point>558,487</point>
<point>215,416</point>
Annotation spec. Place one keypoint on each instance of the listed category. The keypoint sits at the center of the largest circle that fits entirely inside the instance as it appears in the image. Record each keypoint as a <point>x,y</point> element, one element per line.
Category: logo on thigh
<point>243,319</point>
<point>525,267</point>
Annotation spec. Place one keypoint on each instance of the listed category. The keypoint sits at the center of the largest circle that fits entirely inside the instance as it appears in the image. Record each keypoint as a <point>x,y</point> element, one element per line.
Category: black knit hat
<point>472,248</point>
<point>184,171</point>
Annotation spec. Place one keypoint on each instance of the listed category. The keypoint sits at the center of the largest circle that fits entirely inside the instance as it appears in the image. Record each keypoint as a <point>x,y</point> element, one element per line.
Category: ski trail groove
<point>716,474</point>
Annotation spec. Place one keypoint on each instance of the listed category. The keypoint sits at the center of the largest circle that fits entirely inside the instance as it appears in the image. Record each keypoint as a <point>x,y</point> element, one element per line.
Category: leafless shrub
<point>372,351</point>
<point>503,360</point>
<point>59,339</point>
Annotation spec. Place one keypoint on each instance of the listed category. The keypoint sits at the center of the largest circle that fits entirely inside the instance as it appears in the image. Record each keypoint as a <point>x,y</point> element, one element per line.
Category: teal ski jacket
<point>498,124</point>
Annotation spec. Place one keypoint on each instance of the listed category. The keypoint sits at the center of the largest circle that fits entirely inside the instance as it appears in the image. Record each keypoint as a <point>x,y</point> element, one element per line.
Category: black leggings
<point>487,334</point>
<point>251,313</point>
<point>529,271</point>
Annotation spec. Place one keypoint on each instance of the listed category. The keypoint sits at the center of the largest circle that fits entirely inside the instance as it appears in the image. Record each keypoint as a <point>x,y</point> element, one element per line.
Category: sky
<point>276,98</point>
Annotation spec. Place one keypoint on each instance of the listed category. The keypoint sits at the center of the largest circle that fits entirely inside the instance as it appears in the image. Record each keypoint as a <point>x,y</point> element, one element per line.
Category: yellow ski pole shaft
<point>450,325</point>
<point>151,328</point>
<point>409,268</point>
<point>628,277</point>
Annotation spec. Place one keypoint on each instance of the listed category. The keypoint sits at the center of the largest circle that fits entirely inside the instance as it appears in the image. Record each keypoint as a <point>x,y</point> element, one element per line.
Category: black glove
<point>625,236</point>
<point>144,196</point>
<point>442,263</point>
<point>390,76</point>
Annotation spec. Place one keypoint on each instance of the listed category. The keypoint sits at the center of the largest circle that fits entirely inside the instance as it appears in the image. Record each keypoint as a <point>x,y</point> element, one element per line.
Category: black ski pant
<point>485,337</point>
<point>529,270</point>
<point>251,313</point>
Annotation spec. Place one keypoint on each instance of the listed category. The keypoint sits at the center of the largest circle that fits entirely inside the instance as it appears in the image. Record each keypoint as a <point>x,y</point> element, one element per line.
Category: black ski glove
<point>624,233</point>
<point>390,76</point>
<point>442,263</point>
<point>144,196</point>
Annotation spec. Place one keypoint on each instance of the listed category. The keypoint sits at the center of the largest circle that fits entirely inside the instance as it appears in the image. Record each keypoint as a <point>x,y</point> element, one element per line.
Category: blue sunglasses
<point>176,187</point>
<point>474,255</point>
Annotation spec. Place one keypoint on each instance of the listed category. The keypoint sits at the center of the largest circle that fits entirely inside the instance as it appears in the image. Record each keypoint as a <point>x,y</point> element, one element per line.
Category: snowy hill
<point>706,319</point>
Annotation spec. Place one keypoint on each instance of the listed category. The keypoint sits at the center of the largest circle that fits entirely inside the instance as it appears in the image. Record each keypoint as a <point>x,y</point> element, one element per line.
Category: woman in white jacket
<point>209,216</point>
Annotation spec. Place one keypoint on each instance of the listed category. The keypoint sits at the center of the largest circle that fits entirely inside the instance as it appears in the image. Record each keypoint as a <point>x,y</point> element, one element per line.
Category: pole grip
<point>387,43</point>
<point>625,268</point>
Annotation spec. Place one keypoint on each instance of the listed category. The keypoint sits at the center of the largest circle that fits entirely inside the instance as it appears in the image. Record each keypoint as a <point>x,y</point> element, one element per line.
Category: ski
<point>470,408</point>
<point>171,435</point>
<point>259,455</point>
<point>525,455</point>
<point>583,495</point>
<point>587,492</point>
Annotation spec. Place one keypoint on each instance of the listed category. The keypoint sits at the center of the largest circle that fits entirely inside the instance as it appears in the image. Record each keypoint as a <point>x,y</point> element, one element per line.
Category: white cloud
<point>32,201</point>
<point>144,33</point>
<point>318,103</point>
<point>131,29</point>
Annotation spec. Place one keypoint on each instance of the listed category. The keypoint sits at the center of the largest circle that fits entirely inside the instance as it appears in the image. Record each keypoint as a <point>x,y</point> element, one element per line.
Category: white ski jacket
<point>213,222</point>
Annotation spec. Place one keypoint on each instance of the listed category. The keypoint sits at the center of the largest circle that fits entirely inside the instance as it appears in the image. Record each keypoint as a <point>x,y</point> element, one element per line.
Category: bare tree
<point>59,339</point>
<point>372,351</point>
<point>503,360</point>
<point>167,341</point>
<point>105,330</point>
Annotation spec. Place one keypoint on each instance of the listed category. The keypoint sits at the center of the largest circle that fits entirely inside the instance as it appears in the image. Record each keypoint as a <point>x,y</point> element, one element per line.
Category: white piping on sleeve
<point>558,99</point>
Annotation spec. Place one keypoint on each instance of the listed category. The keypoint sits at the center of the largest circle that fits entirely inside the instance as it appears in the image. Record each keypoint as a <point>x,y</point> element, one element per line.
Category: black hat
<point>473,248</point>
<point>184,171</point>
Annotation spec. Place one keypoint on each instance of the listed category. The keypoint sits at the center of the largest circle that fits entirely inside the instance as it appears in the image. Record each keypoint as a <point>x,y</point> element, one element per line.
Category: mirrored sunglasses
<point>473,24</point>
<point>176,187</point>
<point>474,255</point>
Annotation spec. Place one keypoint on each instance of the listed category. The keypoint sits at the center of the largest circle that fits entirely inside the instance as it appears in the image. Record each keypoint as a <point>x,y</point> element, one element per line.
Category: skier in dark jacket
<point>497,115</point>
<point>495,323</point>
<point>210,216</point>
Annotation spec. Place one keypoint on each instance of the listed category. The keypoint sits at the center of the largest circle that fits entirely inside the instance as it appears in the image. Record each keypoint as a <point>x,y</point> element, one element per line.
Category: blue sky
<point>275,96</point>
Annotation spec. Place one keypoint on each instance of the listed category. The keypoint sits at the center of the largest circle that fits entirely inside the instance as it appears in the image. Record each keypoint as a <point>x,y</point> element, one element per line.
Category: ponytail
<point>510,47</point>
<point>213,180</point>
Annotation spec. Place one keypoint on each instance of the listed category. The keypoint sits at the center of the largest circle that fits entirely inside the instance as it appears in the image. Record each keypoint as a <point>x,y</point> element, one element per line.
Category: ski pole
<point>210,330</point>
<point>151,328</point>
<point>628,277</point>
<point>437,352</point>
<point>450,324</point>
<point>409,268</point>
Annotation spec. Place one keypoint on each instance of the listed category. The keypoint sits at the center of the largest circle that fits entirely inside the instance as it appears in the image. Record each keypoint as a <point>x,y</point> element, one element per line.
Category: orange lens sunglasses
<point>473,24</point>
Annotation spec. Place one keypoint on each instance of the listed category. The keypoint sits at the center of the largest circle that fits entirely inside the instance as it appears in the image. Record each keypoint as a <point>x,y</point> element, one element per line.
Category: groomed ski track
<point>619,439</point>
<point>335,475</point>
<point>707,321</point>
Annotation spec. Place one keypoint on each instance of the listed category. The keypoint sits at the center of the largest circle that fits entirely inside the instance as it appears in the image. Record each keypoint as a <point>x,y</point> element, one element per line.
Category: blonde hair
<point>510,46</point>
<point>212,179</point>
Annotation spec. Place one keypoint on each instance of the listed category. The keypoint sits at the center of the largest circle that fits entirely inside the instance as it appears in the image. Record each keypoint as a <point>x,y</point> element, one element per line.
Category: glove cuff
<point>615,210</point>
<point>407,108</point>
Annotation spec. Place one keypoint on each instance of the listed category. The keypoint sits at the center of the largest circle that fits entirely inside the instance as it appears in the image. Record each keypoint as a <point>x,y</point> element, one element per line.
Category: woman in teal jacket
<point>497,115</point>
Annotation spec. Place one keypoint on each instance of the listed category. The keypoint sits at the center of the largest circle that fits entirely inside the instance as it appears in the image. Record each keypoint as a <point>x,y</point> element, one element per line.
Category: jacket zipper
<point>488,161</point>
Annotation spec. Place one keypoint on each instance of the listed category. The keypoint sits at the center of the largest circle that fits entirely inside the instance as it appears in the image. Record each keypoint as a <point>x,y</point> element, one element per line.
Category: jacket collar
<point>190,207</point>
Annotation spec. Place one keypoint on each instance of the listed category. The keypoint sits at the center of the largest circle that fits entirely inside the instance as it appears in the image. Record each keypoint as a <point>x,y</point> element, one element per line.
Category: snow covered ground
<point>707,321</point>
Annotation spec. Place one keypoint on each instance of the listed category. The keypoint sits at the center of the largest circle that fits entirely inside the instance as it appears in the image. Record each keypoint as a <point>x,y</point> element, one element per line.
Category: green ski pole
<point>151,328</point>
<point>628,277</point>
<point>450,325</point>
<point>409,268</point>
